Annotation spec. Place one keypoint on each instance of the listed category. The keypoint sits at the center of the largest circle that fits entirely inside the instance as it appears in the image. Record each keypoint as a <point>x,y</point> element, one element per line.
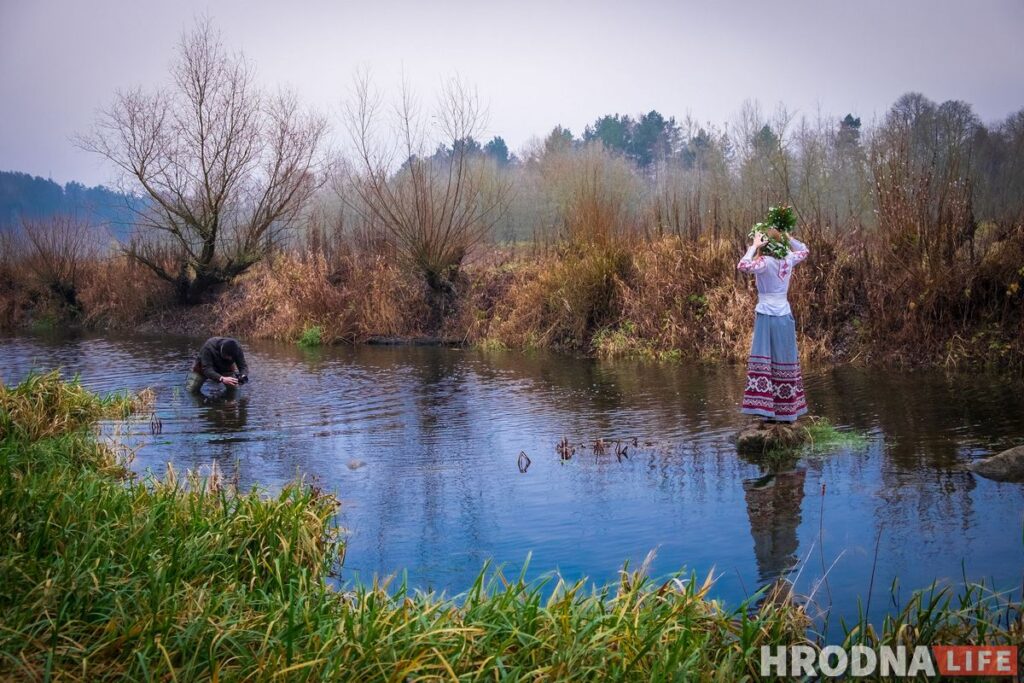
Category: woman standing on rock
<point>775,388</point>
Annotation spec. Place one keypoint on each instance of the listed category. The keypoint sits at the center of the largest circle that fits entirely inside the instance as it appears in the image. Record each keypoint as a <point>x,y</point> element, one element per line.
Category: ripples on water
<point>439,431</point>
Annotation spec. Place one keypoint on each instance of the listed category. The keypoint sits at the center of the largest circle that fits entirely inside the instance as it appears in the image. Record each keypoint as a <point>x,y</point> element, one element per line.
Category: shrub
<point>311,336</point>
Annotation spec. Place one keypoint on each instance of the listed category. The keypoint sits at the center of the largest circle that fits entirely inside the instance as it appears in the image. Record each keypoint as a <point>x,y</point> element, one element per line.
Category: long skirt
<point>775,387</point>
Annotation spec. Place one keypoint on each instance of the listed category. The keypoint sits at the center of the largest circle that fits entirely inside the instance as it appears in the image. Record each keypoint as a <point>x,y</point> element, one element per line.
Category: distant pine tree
<point>614,132</point>
<point>645,140</point>
<point>498,150</point>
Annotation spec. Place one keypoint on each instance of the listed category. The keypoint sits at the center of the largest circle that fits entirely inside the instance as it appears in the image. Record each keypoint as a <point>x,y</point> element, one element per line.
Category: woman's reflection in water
<point>773,507</point>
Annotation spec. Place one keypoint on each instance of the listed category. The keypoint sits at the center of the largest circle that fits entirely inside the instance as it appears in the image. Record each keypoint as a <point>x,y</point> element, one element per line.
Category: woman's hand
<point>760,239</point>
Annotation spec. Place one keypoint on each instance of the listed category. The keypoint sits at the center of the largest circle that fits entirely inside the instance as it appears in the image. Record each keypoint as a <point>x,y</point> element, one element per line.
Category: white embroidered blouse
<point>773,276</point>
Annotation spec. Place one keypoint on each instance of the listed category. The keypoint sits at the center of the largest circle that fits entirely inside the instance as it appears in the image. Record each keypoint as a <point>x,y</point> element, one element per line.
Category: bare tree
<point>762,165</point>
<point>1000,161</point>
<point>55,249</point>
<point>920,160</point>
<point>226,168</point>
<point>434,208</point>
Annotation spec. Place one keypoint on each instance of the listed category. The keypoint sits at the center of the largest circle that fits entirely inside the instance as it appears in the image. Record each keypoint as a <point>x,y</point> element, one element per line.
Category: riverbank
<point>107,576</point>
<point>860,301</point>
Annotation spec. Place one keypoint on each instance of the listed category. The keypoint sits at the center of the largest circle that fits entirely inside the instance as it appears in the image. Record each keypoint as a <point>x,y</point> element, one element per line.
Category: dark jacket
<point>218,355</point>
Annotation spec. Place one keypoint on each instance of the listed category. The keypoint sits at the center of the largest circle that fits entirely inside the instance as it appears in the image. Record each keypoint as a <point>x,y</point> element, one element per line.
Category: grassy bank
<point>106,577</point>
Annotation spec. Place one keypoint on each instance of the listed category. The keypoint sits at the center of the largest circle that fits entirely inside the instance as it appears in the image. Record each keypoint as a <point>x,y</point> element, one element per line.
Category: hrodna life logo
<point>888,661</point>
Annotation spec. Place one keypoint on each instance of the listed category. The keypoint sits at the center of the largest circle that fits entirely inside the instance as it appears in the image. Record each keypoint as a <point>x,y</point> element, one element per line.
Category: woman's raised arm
<point>752,263</point>
<point>798,251</point>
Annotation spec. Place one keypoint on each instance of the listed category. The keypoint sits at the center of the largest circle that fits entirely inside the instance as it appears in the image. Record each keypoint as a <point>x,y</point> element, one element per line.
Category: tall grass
<point>974,615</point>
<point>350,298</point>
<point>106,577</point>
<point>117,292</point>
<point>44,406</point>
<point>564,300</point>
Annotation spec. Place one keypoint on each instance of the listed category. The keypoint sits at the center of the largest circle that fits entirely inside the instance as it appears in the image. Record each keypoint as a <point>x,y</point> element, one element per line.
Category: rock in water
<point>355,464</point>
<point>1005,466</point>
<point>761,437</point>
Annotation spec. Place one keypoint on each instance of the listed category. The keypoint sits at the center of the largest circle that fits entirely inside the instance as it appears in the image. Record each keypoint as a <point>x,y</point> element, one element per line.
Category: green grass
<point>43,406</point>
<point>106,577</point>
<point>311,336</point>
<point>823,436</point>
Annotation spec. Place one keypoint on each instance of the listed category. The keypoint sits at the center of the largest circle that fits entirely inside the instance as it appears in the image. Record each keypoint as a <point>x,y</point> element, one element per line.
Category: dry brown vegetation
<point>351,299</point>
<point>59,271</point>
<point>863,299</point>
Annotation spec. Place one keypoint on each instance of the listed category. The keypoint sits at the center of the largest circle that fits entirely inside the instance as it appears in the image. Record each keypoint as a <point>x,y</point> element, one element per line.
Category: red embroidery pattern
<point>751,266</point>
<point>774,389</point>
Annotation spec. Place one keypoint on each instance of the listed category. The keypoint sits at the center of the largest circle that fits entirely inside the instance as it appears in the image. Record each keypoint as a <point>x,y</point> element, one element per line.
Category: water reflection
<point>440,431</point>
<point>226,412</point>
<point>773,508</point>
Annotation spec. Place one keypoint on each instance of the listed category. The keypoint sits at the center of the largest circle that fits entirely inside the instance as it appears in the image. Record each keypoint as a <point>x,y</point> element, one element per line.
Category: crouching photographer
<point>220,360</point>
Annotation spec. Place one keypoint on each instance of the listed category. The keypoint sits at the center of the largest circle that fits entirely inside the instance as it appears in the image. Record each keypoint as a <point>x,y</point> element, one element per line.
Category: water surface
<point>421,446</point>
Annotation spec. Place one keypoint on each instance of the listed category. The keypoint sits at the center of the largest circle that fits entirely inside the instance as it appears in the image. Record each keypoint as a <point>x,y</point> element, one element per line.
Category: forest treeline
<point>27,197</point>
<point>620,240</point>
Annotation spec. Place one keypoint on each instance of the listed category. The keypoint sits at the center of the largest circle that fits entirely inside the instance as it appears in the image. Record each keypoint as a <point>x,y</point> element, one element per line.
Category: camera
<point>242,379</point>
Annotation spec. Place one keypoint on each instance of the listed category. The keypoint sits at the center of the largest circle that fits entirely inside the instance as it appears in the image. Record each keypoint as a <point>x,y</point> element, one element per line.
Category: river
<point>421,446</point>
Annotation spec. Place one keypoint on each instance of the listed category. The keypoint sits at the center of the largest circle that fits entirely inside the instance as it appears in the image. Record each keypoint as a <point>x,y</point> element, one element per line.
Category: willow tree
<point>420,178</point>
<point>224,166</point>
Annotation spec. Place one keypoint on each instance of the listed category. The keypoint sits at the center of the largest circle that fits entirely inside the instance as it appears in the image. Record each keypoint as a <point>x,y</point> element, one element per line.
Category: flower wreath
<point>782,219</point>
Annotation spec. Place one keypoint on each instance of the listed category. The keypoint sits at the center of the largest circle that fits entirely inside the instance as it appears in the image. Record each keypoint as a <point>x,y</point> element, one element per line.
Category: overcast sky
<point>536,64</point>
